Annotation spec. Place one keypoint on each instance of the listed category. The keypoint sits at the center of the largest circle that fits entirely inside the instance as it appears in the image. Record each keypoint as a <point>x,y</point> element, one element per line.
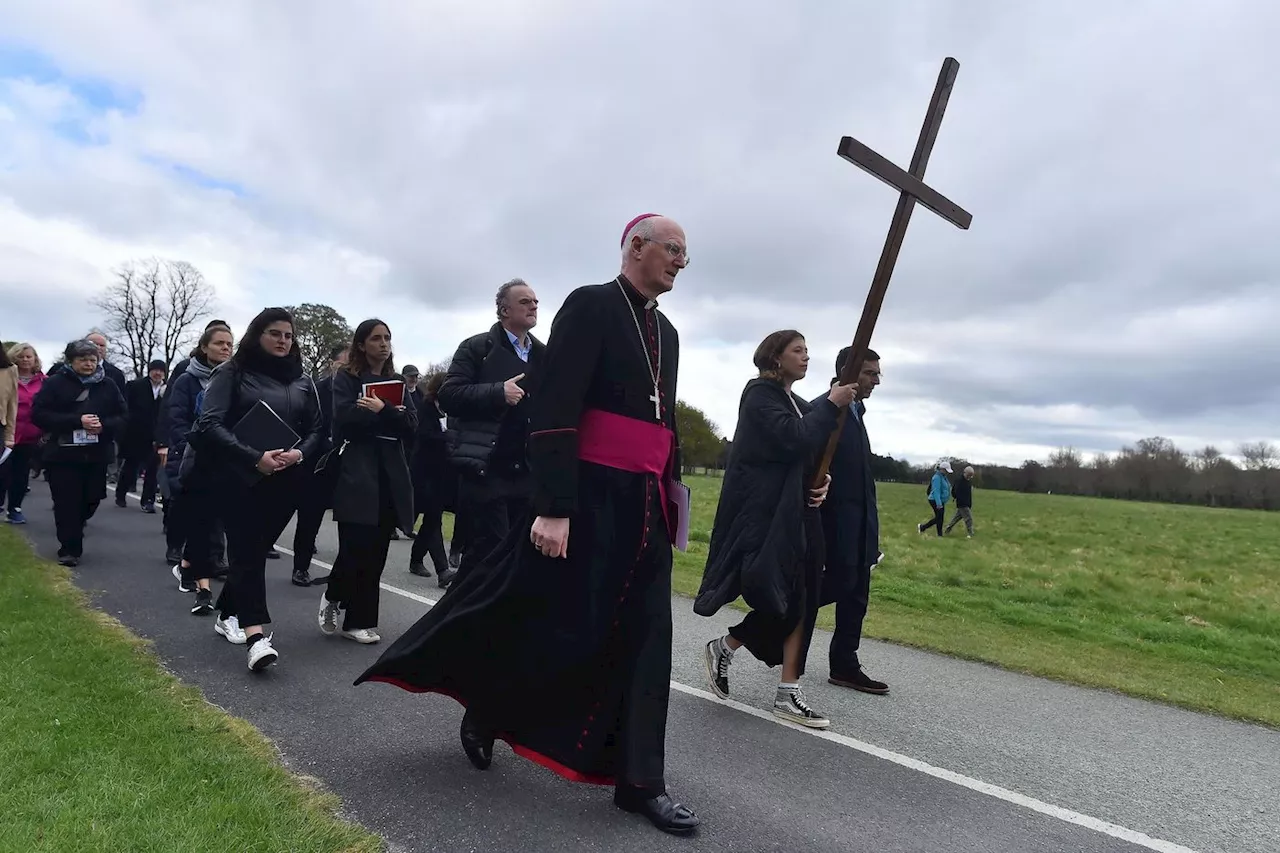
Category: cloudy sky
<point>403,159</point>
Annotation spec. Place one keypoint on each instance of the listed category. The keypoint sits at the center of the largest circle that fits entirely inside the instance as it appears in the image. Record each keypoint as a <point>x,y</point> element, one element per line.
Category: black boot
<point>417,568</point>
<point>476,742</point>
<point>662,811</point>
<point>301,577</point>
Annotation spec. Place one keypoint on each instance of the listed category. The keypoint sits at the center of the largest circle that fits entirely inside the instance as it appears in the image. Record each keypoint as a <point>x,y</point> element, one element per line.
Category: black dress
<point>569,659</point>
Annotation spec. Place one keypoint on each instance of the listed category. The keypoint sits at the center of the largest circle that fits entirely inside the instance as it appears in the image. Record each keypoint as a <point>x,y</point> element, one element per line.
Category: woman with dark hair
<point>258,488</point>
<point>767,539</point>
<point>82,415</point>
<point>373,496</point>
<point>432,476</point>
<point>193,524</point>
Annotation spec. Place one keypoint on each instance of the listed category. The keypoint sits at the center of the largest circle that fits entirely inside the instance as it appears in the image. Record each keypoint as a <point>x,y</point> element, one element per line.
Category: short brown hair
<point>768,354</point>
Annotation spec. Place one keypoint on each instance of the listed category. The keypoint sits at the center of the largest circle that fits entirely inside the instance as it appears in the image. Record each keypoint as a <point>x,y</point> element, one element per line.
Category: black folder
<point>262,429</point>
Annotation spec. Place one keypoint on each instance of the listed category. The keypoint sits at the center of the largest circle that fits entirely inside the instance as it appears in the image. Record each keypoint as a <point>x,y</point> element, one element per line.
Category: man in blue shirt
<point>487,390</point>
<point>851,524</point>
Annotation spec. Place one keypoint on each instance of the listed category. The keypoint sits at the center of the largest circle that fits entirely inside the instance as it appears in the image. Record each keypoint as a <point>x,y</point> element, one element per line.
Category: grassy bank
<point>105,751</point>
<point>1175,603</point>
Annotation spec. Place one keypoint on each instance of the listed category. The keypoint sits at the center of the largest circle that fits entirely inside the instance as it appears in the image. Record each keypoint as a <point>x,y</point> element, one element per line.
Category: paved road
<point>961,757</point>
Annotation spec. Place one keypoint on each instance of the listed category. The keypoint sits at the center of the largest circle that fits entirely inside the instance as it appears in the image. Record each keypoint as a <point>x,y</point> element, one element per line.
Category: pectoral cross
<point>911,188</point>
<point>657,408</point>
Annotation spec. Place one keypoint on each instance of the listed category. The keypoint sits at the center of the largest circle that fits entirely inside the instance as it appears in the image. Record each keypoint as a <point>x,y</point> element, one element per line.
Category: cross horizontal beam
<point>873,164</point>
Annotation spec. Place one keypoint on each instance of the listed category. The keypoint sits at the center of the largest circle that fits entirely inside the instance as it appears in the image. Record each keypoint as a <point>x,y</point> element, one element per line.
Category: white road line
<point>1066,815</point>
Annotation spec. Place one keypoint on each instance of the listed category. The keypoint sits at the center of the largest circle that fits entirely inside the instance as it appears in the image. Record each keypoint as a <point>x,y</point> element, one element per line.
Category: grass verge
<point>1179,604</point>
<point>103,750</point>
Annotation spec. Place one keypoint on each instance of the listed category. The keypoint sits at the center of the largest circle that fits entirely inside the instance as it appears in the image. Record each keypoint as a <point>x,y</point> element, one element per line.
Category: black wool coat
<point>758,542</point>
<point>369,449</point>
<point>58,408</point>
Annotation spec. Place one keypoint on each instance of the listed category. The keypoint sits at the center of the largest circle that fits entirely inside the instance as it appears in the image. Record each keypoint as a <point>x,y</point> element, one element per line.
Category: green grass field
<point>1175,603</point>
<point>105,751</point>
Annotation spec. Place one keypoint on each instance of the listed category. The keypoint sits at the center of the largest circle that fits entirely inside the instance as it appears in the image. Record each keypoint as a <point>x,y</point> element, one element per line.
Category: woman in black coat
<point>258,488</point>
<point>433,478</point>
<point>374,495</point>
<point>767,540</point>
<point>81,412</point>
<point>193,522</point>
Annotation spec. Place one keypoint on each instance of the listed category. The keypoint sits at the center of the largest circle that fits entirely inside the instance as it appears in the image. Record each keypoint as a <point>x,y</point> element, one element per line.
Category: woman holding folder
<point>374,422</point>
<point>259,419</point>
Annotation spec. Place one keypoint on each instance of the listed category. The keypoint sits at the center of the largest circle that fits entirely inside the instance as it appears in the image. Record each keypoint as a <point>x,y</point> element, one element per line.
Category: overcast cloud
<point>402,160</point>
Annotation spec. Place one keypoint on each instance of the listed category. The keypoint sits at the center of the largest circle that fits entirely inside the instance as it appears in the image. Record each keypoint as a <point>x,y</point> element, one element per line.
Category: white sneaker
<point>230,628</point>
<point>328,615</point>
<point>362,635</point>
<point>177,575</point>
<point>262,655</point>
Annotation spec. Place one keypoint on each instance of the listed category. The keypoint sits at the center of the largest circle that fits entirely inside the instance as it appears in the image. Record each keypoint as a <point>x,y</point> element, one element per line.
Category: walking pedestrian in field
<point>16,473</point>
<point>964,502</point>
<point>939,494</point>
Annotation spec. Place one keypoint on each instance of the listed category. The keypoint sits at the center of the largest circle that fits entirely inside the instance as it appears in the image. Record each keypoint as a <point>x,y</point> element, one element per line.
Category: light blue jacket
<point>939,489</point>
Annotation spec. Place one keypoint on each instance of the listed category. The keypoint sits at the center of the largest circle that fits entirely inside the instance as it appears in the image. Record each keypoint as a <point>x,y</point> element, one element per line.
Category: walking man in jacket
<point>851,523</point>
<point>964,501</point>
<point>138,443</point>
<point>488,390</point>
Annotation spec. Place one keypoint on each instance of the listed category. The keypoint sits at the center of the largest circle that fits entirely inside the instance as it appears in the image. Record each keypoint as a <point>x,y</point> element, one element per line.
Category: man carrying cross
<point>560,642</point>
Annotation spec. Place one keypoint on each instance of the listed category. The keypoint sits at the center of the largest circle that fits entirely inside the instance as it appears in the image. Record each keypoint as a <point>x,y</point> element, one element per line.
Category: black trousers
<point>255,517</point>
<point>939,512</point>
<point>851,610</point>
<point>149,465</point>
<point>15,475</point>
<point>491,505</point>
<point>317,497</point>
<point>430,538</point>
<point>194,517</point>
<point>764,634</point>
<point>77,489</point>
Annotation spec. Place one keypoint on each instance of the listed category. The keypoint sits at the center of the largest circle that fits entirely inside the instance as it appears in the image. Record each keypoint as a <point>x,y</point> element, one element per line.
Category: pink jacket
<point>27,432</point>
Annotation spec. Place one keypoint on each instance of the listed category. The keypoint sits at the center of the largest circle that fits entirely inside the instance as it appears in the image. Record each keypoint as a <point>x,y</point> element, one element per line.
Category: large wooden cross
<point>911,189</point>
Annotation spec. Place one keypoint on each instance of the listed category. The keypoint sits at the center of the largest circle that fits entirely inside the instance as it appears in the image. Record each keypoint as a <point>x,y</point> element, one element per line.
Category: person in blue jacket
<point>939,494</point>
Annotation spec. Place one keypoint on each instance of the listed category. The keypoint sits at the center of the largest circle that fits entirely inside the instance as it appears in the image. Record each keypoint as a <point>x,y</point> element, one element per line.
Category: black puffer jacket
<point>472,394</point>
<point>233,390</point>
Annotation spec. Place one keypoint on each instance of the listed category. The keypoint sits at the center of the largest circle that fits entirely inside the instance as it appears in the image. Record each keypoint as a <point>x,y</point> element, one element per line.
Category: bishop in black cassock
<point>562,647</point>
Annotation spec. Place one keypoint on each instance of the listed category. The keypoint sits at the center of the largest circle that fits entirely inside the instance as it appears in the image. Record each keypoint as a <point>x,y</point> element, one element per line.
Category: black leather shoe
<point>662,811</point>
<point>273,554</point>
<point>419,569</point>
<point>477,744</point>
<point>855,678</point>
<point>301,577</point>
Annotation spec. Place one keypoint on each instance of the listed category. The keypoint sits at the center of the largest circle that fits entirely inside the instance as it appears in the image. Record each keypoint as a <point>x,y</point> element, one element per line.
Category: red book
<point>390,392</point>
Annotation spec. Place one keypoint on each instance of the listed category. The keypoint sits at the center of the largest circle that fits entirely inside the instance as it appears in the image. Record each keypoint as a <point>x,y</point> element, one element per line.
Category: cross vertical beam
<point>911,188</point>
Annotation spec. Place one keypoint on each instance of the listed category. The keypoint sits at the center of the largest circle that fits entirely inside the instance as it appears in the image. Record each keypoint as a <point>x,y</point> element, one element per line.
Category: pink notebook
<point>678,498</point>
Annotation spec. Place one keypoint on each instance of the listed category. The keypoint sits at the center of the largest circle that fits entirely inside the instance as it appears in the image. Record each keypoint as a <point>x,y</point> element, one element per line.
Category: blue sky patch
<point>193,176</point>
<point>95,93</point>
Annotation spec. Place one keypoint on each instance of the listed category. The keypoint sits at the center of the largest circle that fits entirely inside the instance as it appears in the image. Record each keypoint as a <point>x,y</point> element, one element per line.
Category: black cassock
<point>569,659</point>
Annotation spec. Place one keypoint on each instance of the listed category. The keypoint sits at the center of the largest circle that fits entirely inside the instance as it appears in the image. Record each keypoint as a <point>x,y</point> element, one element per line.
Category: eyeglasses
<point>674,249</point>
<point>279,335</point>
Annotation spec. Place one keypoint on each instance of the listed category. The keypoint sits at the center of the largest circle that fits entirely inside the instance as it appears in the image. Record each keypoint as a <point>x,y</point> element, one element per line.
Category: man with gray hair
<point>487,391</point>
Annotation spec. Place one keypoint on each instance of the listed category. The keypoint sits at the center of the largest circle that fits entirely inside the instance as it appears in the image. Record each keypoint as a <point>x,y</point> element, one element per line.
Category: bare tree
<point>1259,455</point>
<point>150,308</point>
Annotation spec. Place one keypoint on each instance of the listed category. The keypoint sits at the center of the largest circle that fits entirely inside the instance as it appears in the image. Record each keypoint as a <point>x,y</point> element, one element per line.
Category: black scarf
<point>283,369</point>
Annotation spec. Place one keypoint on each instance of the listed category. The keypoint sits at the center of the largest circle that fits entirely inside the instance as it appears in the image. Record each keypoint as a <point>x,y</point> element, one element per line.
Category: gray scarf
<point>201,372</point>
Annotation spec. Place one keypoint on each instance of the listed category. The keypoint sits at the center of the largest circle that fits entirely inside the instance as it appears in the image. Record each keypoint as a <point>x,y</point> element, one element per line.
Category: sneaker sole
<point>356,639</point>
<point>709,663</point>
<point>202,609</point>
<point>801,721</point>
<point>263,662</point>
<point>177,575</point>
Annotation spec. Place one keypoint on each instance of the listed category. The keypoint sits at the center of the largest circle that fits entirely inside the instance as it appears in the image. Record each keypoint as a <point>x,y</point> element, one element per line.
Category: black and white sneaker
<point>177,575</point>
<point>717,657</point>
<point>204,602</point>
<point>262,655</point>
<point>789,705</point>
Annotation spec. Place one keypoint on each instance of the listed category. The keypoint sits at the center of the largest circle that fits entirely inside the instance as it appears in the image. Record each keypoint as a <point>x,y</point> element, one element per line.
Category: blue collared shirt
<point>523,352</point>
